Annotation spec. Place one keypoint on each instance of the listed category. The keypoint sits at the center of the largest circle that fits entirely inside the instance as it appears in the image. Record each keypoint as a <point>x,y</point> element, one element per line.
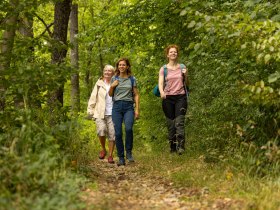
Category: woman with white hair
<point>100,108</point>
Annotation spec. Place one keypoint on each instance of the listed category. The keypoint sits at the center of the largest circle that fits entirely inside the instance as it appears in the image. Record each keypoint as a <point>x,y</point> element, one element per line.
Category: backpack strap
<point>98,87</point>
<point>132,79</point>
<point>164,71</point>
<point>182,66</point>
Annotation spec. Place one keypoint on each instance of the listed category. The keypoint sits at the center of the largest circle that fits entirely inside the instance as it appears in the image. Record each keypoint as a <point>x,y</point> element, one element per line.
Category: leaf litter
<point>128,187</point>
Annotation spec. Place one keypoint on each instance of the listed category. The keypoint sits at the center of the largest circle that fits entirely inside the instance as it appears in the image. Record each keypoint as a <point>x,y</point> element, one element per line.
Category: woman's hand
<point>162,95</point>
<point>136,114</point>
<point>115,84</point>
<point>185,75</point>
<point>185,72</point>
<point>112,87</point>
<point>160,86</point>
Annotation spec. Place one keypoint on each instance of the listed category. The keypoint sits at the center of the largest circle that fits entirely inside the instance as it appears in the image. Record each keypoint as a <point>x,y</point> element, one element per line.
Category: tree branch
<point>47,26</point>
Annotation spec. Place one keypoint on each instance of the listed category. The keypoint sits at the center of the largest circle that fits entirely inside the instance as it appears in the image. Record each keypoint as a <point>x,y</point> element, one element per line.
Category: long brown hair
<point>128,71</point>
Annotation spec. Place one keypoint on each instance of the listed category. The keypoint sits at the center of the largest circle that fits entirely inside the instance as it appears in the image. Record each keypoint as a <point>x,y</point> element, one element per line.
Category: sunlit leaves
<point>267,57</point>
<point>274,77</point>
<point>191,24</point>
<point>261,94</point>
<point>183,12</point>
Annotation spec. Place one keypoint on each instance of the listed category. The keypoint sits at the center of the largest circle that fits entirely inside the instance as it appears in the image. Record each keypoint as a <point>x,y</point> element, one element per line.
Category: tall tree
<point>75,89</point>
<point>61,19</point>
<point>25,28</point>
<point>6,48</point>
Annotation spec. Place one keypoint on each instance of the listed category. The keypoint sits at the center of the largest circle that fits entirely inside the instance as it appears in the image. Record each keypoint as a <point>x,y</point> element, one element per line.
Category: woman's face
<point>108,73</point>
<point>172,54</point>
<point>122,66</point>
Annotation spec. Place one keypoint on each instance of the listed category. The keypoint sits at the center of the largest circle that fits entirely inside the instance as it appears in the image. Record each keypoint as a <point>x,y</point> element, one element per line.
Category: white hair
<point>109,67</point>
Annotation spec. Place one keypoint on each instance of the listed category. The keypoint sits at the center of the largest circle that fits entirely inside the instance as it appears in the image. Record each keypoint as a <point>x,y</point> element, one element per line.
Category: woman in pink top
<point>173,93</point>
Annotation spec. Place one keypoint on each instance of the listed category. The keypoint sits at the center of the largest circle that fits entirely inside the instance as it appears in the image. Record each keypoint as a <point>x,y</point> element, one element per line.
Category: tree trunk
<point>88,79</point>
<point>100,59</point>
<point>6,49</point>
<point>26,29</point>
<point>75,89</point>
<point>61,19</point>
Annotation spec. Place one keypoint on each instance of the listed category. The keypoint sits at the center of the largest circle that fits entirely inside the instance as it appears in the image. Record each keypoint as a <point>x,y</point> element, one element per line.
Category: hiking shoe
<point>111,160</point>
<point>102,154</point>
<point>180,151</point>
<point>121,162</point>
<point>129,157</point>
<point>172,148</point>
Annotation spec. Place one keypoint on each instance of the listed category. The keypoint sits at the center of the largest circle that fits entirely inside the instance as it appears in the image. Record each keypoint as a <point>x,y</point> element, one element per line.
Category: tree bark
<point>74,55</point>
<point>6,49</point>
<point>100,58</point>
<point>88,77</point>
<point>26,30</point>
<point>61,19</point>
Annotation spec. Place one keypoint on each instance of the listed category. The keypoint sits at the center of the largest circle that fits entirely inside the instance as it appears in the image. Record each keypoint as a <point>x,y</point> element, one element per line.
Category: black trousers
<point>175,108</point>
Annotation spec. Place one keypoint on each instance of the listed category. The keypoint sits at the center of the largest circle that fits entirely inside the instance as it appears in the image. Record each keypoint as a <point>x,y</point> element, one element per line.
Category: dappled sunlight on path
<point>129,187</point>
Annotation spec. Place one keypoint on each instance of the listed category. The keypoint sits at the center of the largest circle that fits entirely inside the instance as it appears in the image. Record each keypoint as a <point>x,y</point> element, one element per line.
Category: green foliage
<point>230,47</point>
<point>36,176</point>
<point>231,50</point>
<point>259,160</point>
<point>234,56</point>
<point>151,131</point>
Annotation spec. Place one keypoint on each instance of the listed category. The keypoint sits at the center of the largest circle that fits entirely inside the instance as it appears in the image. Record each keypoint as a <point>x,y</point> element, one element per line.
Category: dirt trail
<point>126,187</point>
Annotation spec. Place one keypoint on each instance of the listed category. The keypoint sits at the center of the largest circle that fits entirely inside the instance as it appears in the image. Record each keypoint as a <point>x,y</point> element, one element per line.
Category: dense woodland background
<point>52,52</point>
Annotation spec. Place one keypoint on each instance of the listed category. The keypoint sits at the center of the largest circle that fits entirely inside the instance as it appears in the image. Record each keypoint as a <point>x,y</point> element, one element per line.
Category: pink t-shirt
<point>173,81</point>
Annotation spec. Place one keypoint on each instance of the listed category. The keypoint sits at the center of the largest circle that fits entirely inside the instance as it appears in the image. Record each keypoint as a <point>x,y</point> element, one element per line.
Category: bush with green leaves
<point>35,173</point>
<point>235,59</point>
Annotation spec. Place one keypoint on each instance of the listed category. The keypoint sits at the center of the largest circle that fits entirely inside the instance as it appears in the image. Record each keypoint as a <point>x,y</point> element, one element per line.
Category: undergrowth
<point>36,170</point>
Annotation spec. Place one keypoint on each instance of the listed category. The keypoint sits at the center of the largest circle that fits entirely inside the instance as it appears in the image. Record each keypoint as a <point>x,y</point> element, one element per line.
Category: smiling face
<point>172,54</point>
<point>122,67</point>
<point>108,72</point>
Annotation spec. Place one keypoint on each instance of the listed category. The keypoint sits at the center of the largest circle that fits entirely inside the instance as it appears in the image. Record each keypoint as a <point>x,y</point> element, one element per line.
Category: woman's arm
<point>160,86</point>
<point>187,81</point>
<point>112,88</point>
<point>185,72</point>
<point>92,101</point>
<point>137,102</point>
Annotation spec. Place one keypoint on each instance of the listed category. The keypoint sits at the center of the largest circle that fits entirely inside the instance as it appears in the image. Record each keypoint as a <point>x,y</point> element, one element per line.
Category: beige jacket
<point>97,100</point>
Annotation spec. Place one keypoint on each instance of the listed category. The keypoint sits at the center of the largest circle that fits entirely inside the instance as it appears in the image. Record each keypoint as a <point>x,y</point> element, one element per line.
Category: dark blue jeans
<point>123,111</point>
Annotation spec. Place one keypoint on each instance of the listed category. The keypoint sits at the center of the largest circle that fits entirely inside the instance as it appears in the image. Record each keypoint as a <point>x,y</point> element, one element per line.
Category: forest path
<point>129,187</point>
